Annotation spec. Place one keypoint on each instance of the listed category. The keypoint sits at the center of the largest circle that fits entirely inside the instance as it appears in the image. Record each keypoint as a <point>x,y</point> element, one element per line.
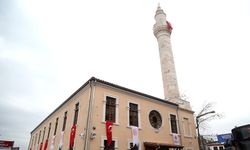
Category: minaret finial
<point>159,6</point>
<point>159,10</point>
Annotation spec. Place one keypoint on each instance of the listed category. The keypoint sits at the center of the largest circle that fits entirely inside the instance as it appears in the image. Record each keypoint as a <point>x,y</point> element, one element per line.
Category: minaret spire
<point>162,31</point>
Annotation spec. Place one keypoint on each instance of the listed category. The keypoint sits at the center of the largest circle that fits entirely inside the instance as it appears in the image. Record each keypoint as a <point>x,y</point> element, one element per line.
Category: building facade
<point>7,145</point>
<point>104,116</point>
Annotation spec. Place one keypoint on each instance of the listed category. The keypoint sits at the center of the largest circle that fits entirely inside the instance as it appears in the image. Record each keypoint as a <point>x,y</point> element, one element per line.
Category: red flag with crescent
<point>72,136</point>
<point>109,132</point>
<point>41,146</point>
<point>45,145</point>
<point>169,26</point>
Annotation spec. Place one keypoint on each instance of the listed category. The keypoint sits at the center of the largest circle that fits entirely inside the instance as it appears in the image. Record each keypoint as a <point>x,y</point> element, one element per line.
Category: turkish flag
<point>109,132</point>
<point>169,26</point>
<point>41,146</point>
<point>72,136</point>
<point>45,145</point>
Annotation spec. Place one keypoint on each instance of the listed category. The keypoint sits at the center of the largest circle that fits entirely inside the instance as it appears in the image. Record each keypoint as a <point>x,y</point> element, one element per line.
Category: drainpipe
<point>87,120</point>
<point>90,115</point>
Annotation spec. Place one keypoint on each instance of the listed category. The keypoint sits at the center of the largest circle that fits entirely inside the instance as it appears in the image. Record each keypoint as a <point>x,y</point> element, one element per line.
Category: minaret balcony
<point>161,29</point>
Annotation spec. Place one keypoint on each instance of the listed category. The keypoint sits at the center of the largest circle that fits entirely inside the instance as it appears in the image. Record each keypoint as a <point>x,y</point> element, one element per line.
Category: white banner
<point>176,139</point>
<point>61,140</point>
<point>135,136</point>
<point>52,142</point>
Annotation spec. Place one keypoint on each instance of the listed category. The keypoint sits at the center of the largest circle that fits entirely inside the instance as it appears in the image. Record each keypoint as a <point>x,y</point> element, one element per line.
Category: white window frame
<point>131,141</point>
<point>177,124</point>
<point>189,127</point>
<point>105,138</point>
<point>116,108</point>
<point>139,114</point>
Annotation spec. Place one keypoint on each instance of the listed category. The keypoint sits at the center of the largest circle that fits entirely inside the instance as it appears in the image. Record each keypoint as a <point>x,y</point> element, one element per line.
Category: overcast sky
<point>49,48</point>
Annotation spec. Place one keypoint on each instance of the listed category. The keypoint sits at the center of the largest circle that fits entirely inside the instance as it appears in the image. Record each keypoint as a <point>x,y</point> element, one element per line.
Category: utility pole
<point>201,145</point>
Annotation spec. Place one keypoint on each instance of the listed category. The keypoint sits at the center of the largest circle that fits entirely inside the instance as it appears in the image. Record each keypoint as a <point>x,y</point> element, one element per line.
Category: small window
<point>110,109</point>
<point>56,125</point>
<point>64,120</point>
<point>109,147</point>
<point>76,113</point>
<point>133,114</point>
<point>173,123</point>
<point>44,133</point>
<point>155,119</point>
<point>39,137</point>
<point>35,140</point>
<point>221,148</point>
<point>215,148</point>
<point>49,130</point>
<point>32,140</point>
<point>135,147</point>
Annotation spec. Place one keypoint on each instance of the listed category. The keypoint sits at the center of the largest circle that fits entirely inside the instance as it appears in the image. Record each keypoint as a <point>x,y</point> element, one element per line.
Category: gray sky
<point>48,49</point>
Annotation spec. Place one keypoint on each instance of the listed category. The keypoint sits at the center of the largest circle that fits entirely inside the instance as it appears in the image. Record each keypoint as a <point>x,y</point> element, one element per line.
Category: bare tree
<point>205,115</point>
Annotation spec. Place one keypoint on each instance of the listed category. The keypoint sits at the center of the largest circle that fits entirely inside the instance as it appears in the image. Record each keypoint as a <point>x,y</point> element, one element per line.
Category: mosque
<point>106,116</point>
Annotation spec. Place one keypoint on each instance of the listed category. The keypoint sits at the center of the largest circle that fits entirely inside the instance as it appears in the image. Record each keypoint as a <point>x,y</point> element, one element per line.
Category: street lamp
<point>198,130</point>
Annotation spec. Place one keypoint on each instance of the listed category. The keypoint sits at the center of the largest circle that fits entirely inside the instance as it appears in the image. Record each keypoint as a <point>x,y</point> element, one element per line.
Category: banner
<point>135,136</point>
<point>61,141</point>
<point>52,142</point>
<point>109,132</point>
<point>176,139</point>
<point>169,26</point>
<point>72,136</point>
<point>6,143</point>
<point>45,145</point>
<point>41,146</point>
<point>222,138</point>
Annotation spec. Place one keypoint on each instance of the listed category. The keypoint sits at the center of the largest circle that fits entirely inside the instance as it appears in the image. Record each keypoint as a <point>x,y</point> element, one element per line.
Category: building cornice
<point>130,91</point>
<point>187,110</point>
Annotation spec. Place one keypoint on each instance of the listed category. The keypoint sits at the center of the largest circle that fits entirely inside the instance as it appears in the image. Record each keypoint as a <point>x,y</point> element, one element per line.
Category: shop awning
<point>156,144</point>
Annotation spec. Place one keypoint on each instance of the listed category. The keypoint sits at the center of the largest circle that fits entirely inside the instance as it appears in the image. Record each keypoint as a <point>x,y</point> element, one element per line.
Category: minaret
<point>162,31</point>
